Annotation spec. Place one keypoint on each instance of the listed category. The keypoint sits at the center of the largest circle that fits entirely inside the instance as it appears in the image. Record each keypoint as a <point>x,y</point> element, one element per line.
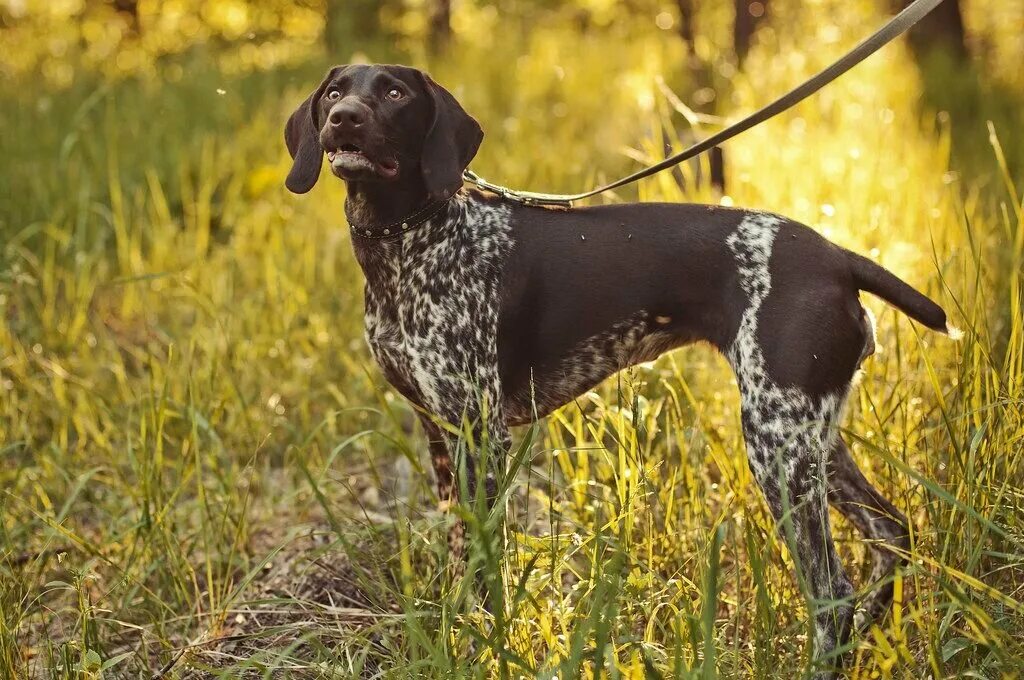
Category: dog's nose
<point>348,112</point>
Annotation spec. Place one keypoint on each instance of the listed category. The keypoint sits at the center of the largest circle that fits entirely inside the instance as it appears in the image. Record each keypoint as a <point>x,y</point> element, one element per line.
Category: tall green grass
<point>203,472</point>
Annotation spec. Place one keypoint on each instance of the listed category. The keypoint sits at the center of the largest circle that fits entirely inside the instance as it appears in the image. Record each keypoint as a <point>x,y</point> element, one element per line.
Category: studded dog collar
<point>407,224</point>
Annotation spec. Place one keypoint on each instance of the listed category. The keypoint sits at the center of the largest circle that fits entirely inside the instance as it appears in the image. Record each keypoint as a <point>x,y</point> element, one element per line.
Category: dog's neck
<point>370,204</point>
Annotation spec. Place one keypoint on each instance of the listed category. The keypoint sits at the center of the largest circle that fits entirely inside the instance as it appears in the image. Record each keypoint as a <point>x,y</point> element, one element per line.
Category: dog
<point>482,310</point>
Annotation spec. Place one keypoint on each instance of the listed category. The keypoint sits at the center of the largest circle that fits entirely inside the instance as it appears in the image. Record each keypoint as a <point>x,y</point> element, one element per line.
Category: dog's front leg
<point>482,457</point>
<point>459,463</point>
<point>447,490</point>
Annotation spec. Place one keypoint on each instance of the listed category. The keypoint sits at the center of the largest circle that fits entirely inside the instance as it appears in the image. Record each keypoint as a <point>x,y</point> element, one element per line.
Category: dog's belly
<point>430,376</point>
<point>630,342</point>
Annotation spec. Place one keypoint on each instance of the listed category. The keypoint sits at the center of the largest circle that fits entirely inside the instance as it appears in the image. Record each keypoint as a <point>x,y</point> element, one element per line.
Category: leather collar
<point>402,226</point>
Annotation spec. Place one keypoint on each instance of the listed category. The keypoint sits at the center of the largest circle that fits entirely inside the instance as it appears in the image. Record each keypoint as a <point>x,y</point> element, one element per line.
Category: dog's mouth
<point>349,159</point>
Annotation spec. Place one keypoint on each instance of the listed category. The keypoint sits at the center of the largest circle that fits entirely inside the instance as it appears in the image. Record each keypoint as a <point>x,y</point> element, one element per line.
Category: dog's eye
<point>333,94</point>
<point>394,94</point>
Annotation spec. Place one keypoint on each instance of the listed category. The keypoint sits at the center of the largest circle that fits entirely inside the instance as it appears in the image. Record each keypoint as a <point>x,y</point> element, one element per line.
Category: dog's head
<point>381,123</point>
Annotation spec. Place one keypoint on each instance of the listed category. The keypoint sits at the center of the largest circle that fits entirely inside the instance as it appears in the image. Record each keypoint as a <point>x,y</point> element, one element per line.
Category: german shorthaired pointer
<point>486,311</point>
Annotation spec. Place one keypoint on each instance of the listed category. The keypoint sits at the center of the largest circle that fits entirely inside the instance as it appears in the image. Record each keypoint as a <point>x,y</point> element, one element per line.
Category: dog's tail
<point>879,281</point>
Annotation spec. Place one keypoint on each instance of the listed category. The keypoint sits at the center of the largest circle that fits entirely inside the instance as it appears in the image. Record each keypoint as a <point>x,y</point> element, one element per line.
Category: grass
<point>203,471</point>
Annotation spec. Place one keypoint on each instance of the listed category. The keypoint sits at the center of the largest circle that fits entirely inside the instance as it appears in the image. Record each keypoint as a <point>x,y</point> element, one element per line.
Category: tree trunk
<point>686,28</point>
<point>942,30</point>
<point>700,76</point>
<point>440,26</point>
<point>749,14</point>
<point>350,24</point>
<point>130,10</point>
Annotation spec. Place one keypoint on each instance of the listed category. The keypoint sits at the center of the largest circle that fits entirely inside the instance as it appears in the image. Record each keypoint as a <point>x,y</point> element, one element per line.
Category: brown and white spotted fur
<point>493,313</point>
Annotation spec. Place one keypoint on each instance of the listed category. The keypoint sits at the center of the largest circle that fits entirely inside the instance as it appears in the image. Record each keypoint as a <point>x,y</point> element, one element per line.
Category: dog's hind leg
<point>787,437</point>
<point>789,416</point>
<point>877,519</point>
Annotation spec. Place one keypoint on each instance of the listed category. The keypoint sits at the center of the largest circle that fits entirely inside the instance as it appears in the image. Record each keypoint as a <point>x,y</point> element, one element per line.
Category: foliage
<point>185,394</point>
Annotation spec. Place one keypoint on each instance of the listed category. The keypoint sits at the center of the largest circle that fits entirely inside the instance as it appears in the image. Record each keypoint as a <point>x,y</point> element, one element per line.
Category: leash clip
<point>504,192</point>
<point>523,198</point>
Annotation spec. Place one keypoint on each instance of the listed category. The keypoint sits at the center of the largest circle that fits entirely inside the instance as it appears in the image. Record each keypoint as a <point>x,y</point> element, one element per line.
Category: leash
<point>895,27</point>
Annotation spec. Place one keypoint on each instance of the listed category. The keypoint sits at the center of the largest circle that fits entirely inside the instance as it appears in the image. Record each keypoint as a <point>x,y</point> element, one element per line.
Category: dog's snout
<point>349,113</point>
<point>347,116</point>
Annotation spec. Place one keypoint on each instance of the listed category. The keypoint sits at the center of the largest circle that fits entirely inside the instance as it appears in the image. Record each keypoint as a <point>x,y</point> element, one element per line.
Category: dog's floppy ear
<point>302,136</point>
<point>450,145</point>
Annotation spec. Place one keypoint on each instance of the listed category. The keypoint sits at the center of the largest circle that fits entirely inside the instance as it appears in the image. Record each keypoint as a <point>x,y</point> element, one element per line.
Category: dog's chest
<point>432,306</point>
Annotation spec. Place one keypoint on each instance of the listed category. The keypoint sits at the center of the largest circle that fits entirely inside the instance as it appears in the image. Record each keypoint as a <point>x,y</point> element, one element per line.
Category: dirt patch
<point>312,602</point>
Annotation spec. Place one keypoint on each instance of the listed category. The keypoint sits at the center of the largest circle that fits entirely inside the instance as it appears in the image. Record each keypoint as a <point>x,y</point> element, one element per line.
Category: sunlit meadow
<point>203,474</point>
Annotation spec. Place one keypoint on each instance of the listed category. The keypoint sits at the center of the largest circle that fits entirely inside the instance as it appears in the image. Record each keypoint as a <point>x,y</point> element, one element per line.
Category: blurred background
<point>589,65</point>
<point>186,402</point>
